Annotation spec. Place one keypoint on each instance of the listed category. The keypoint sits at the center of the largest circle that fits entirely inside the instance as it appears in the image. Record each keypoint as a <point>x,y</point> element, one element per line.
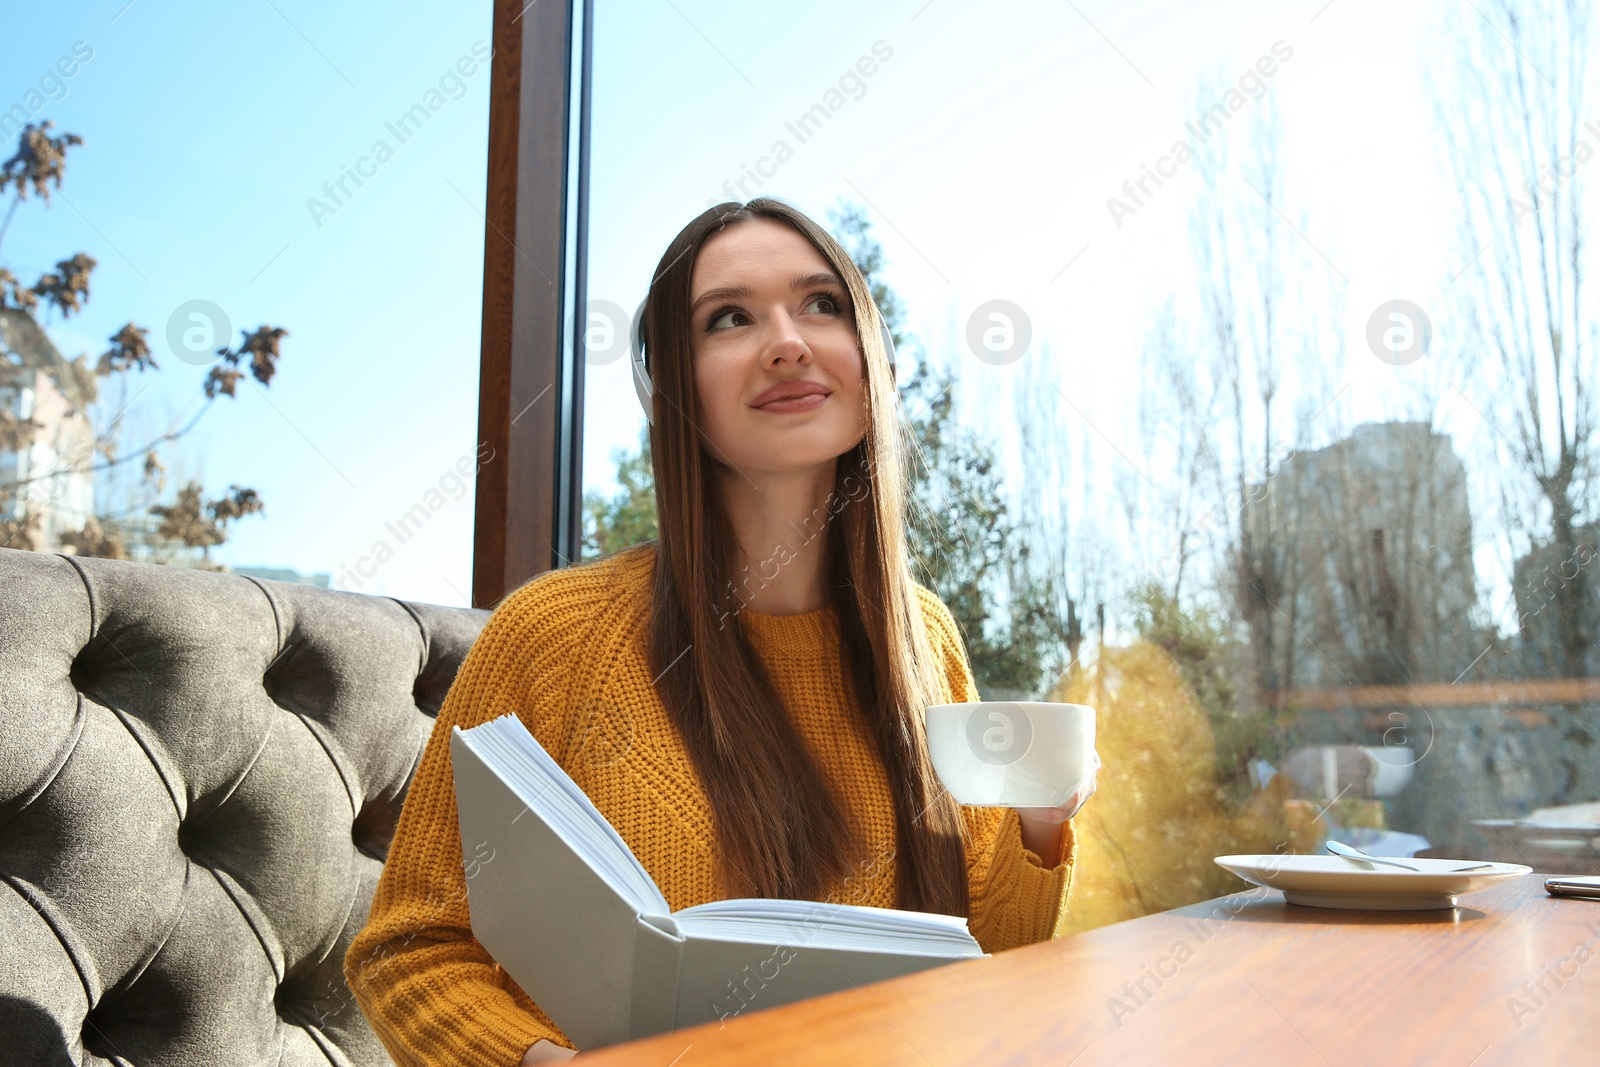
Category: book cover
<point>570,913</point>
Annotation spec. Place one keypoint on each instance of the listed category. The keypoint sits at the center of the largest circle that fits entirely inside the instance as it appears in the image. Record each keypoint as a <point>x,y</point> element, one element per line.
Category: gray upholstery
<point>199,777</point>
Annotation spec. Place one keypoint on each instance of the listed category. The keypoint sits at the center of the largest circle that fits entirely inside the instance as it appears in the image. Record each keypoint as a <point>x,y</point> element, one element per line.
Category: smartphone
<point>1573,885</point>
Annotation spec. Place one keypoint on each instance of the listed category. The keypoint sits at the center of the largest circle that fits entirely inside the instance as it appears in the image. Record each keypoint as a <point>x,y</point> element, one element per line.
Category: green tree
<point>627,517</point>
<point>1211,662</point>
<point>81,449</point>
<point>965,544</point>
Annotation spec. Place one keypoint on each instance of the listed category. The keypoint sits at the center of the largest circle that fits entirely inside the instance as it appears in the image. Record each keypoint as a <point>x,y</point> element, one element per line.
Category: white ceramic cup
<point>1012,753</point>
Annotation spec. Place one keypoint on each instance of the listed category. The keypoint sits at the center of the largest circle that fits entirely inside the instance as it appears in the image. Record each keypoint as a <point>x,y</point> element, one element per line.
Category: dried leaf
<point>40,160</point>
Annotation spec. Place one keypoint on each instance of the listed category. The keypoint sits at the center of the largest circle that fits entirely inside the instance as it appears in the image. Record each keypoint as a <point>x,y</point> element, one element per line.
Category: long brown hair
<point>781,830</point>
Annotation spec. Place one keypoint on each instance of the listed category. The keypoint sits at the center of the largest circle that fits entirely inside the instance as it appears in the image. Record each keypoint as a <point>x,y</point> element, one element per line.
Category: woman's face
<point>767,312</point>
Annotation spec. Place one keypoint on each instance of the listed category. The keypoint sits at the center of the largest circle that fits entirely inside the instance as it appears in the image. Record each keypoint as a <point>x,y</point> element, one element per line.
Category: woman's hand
<point>1043,819</point>
<point>547,1051</point>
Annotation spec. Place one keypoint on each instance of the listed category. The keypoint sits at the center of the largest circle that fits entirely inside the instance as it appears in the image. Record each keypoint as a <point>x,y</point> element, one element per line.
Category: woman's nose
<point>783,340</point>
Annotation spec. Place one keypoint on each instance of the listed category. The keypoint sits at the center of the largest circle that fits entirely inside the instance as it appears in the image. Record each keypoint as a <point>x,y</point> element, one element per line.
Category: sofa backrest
<point>199,777</point>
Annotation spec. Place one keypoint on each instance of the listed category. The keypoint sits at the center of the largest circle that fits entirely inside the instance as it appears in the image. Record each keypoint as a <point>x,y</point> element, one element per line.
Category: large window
<point>1272,320</point>
<point>1273,324</point>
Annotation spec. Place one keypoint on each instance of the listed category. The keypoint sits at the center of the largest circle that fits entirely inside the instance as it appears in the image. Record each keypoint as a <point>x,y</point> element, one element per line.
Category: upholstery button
<point>81,674</point>
<point>371,833</point>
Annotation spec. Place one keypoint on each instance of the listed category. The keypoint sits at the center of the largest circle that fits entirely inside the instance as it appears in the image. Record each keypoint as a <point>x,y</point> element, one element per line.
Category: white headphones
<point>641,376</point>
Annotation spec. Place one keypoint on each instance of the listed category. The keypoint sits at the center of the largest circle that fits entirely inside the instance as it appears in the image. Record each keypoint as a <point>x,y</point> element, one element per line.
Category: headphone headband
<point>643,387</point>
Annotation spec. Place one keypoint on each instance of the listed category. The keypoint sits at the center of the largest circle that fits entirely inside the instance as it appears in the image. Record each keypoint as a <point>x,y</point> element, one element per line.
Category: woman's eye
<point>723,319</point>
<point>830,305</point>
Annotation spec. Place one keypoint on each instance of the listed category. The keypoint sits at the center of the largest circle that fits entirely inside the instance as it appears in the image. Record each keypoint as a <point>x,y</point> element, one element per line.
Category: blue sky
<point>985,145</point>
<point>207,129</point>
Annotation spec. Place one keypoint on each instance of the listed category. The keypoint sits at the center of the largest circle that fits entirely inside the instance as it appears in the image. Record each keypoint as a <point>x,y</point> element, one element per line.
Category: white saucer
<point>1333,882</point>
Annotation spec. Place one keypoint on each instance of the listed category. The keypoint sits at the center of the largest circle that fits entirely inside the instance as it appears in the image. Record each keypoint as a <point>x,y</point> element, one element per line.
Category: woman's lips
<point>809,402</point>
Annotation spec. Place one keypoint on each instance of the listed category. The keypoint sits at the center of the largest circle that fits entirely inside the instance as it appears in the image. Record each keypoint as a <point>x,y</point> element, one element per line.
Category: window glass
<point>1272,327</point>
<point>298,184</point>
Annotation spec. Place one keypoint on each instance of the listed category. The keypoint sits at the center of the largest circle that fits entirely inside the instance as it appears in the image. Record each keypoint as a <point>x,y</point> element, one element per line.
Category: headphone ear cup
<point>642,386</point>
<point>887,337</point>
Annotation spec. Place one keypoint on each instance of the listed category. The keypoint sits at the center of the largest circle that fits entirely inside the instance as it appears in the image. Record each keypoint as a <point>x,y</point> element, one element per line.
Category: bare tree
<point>1516,110</point>
<point>1178,515</point>
<point>1065,565</point>
<point>1244,253</point>
<point>48,400</point>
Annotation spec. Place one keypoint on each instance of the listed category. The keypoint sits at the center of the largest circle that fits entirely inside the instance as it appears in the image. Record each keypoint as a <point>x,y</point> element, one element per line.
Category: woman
<point>742,698</point>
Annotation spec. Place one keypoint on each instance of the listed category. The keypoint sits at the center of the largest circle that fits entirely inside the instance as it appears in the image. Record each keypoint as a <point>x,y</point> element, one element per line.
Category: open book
<point>565,907</point>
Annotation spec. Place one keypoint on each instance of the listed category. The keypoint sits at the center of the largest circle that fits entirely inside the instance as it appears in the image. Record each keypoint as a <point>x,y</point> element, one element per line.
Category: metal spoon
<point>1339,848</point>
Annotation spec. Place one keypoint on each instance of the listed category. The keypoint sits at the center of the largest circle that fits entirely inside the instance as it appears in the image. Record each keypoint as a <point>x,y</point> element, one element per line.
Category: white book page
<point>515,755</point>
<point>825,925</point>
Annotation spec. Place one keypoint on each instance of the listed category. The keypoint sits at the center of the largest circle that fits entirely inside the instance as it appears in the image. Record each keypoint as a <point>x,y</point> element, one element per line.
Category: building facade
<point>1359,557</point>
<point>47,453</point>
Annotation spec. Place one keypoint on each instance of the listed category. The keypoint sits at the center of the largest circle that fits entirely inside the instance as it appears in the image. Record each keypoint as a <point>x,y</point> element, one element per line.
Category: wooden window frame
<point>535,259</point>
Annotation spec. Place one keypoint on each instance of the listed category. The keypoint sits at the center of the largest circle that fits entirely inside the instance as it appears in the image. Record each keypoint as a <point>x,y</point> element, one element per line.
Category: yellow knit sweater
<point>565,653</point>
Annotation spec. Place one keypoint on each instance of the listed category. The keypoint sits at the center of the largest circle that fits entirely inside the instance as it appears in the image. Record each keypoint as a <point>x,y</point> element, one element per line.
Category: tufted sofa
<point>199,777</point>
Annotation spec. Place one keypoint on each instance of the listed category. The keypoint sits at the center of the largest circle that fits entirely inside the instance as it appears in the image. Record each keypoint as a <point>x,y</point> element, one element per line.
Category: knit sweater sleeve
<point>432,993</point>
<point>1017,897</point>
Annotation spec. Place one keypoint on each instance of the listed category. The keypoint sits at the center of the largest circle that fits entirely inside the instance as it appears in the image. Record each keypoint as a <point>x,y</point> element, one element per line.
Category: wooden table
<point>1245,979</point>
